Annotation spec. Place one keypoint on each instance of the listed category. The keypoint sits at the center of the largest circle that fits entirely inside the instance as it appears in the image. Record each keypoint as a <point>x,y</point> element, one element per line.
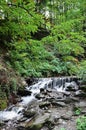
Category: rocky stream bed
<point>48,104</point>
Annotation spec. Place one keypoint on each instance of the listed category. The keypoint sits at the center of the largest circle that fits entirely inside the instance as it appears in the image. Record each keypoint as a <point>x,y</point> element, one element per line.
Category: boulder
<point>40,96</point>
<point>38,123</point>
<point>72,86</point>
<point>30,113</point>
<point>80,93</point>
<point>23,92</point>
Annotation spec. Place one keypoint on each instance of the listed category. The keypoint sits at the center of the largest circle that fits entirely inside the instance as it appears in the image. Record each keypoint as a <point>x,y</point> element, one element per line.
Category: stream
<point>50,106</point>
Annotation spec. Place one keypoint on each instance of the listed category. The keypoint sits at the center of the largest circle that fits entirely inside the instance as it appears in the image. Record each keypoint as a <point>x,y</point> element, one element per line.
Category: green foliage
<point>65,43</point>
<point>60,53</point>
<point>18,19</point>
<point>77,111</point>
<point>81,123</point>
<point>3,104</point>
<point>3,100</point>
<point>82,70</point>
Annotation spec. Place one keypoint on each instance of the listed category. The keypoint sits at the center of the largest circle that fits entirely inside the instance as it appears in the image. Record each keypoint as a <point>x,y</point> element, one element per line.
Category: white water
<point>26,100</point>
<point>43,83</point>
<point>9,115</point>
<point>35,89</point>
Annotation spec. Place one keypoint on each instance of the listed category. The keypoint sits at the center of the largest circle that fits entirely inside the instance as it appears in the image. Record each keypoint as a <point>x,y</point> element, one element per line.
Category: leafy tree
<point>18,20</point>
<point>60,53</point>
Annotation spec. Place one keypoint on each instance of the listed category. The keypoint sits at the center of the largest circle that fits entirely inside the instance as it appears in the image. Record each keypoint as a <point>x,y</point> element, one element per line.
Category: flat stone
<point>67,115</point>
<point>62,104</point>
<point>38,123</point>
<point>81,104</point>
<point>44,104</point>
<point>59,104</point>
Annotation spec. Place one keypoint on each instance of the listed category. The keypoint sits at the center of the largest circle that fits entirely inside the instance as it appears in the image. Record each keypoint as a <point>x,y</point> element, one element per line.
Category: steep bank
<point>10,80</point>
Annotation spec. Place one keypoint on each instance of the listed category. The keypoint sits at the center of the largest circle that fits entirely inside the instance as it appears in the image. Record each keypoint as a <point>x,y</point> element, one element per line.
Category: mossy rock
<point>39,122</point>
<point>35,127</point>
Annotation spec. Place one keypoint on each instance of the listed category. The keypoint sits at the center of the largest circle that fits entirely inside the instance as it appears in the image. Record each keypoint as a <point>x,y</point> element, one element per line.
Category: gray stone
<point>72,86</point>
<point>44,104</point>
<point>67,115</point>
<point>30,113</point>
<point>40,96</point>
<point>81,104</point>
<point>38,123</point>
<point>80,93</point>
<point>54,118</point>
<point>45,128</point>
<point>59,104</point>
<point>62,104</point>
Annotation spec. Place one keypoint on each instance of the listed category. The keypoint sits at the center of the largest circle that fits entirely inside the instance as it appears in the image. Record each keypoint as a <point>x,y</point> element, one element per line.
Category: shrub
<point>81,123</point>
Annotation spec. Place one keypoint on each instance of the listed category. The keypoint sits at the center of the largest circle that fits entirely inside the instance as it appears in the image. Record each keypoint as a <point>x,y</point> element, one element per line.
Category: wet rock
<point>54,95</point>
<point>23,92</point>
<point>72,86</point>
<point>42,90</point>
<point>49,90</point>
<point>39,96</point>
<point>66,93</point>
<point>31,80</point>
<point>22,119</point>
<point>80,93</point>
<point>10,108</point>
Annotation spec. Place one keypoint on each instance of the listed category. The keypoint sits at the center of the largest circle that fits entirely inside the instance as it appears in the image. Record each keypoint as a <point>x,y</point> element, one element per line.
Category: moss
<point>3,100</point>
<point>3,104</point>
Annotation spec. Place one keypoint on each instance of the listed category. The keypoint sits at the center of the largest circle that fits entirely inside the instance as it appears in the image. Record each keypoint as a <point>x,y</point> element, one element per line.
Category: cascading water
<point>58,84</point>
